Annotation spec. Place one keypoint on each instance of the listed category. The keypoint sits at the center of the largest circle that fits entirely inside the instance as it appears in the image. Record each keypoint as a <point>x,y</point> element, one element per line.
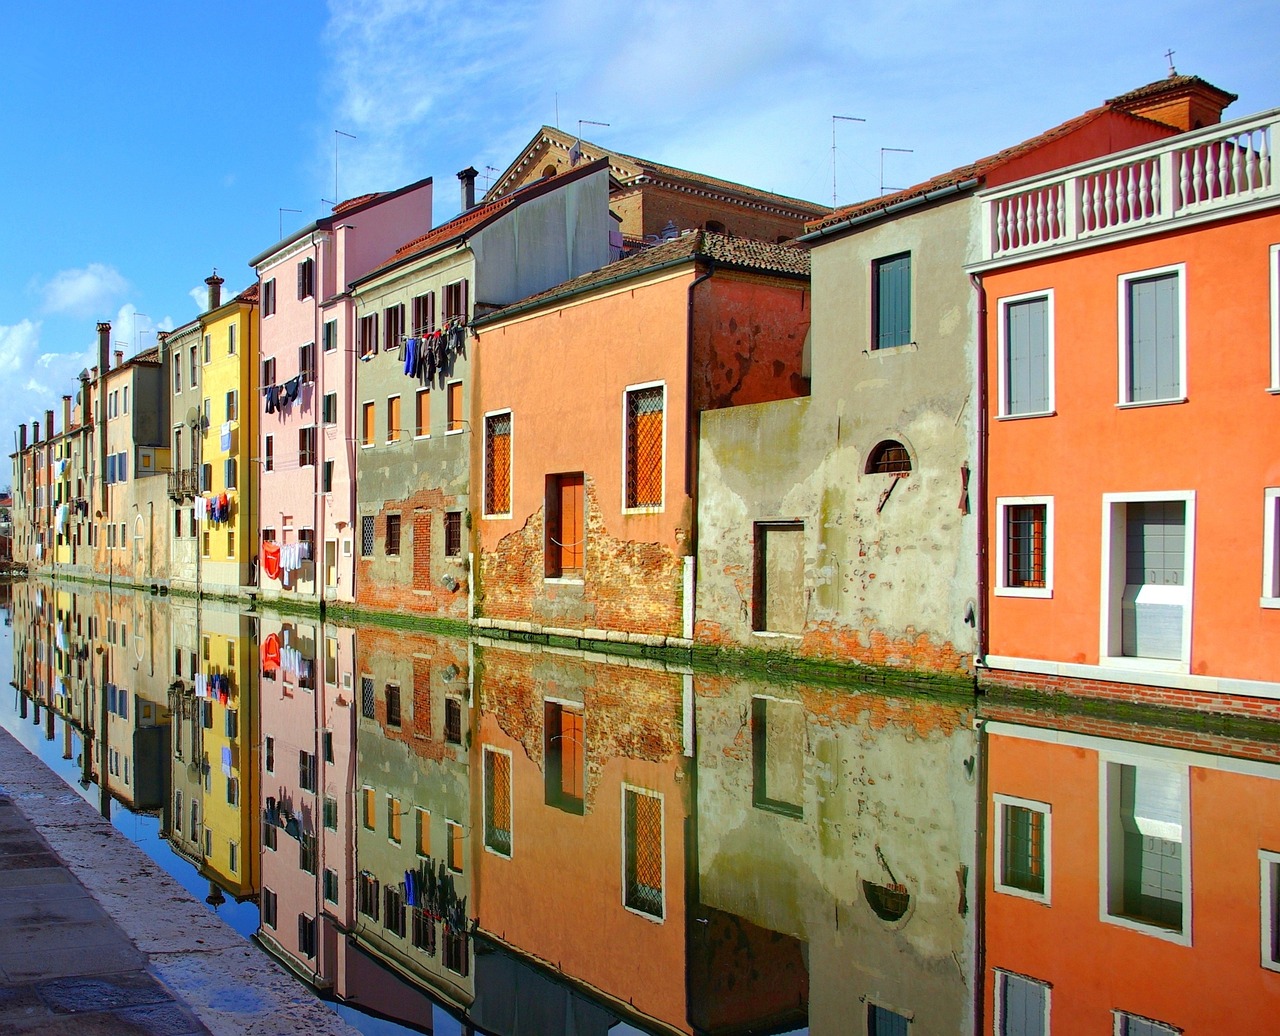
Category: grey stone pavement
<point>96,938</point>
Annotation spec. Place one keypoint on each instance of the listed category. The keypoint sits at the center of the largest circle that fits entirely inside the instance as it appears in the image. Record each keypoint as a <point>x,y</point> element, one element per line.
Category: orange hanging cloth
<point>271,653</point>
<point>271,559</point>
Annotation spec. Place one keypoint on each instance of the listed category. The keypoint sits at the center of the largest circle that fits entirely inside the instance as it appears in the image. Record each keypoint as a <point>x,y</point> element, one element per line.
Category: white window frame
<point>1269,875</point>
<point>1003,504</point>
<point>1119,1017</point>
<point>489,750</point>
<point>1122,310</point>
<point>622,830</point>
<point>1112,581</point>
<point>1274,278</point>
<point>484,466</point>
<point>1002,976</point>
<point>657,508</point>
<point>1046,810</point>
<point>1002,356</point>
<point>1110,830</point>
<point>1270,548</point>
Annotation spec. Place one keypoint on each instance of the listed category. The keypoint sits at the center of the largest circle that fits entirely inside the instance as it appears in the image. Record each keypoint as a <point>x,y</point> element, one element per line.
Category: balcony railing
<point>1206,171</point>
<point>183,485</point>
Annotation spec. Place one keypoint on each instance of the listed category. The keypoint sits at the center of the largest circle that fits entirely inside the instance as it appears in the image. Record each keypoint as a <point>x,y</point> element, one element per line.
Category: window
<point>393,419</point>
<point>330,813</point>
<point>1270,894</point>
<point>367,423</point>
<point>1146,608</point>
<point>307,361</point>
<point>268,907</point>
<point>456,954</point>
<point>208,348</point>
<point>452,534</point>
<point>269,453</point>
<point>330,337</point>
<point>1275,318</point>
<point>424,932</point>
<point>453,721</point>
<point>306,278</point>
<point>1146,859</point>
<point>233,857</point>
<point>367,335</point>
<point>1022,1005</point>
<point>1022,847</point>
<point>269,371</point>
<point>307,853</point>
<point>424,313</point>
<point>422,831</point>
<point>1152,319</point>
<point>565,754</point>
<point>329,409</point>
<point>367,895</point>
<point>394,902</point>
<point>306,935</point>
<point>366,536</point>
<point>778,604</point>
<point>330,885</point>
<point>497,463</point>
<point>888,457</point>
<point>422,413</point>
<point>891,301</point>
<point>326,480</point>
<point>231,339</point>
<point>1127,1024</point>
<point>497,801</point>
<point>392,327</point>
<point>392,545</point>
<point>1026,355</point>
<point>455,300</point>
<point>394,816</point>
<point>565,527</point>
<point>778,738</point>
<point>229,472</point>
<point>326,737</point>
<point>233,405</point>
<point>642,852</point>
<point>177,375</point>
<point>644,446</point>
<point>1271,548</point>
<point>1024,547</point>
<point>306,446</point>
<point>269,297</point>
<point>307,771</point>
<point>453,836</point>
<point>453,407</point>
<point>883,1022</point>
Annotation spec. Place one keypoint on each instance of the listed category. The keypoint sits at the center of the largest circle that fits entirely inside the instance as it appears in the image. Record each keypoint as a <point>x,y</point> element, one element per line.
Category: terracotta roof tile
<point>351,203</point>
<point>1169,85</point>
<point>249,295</point>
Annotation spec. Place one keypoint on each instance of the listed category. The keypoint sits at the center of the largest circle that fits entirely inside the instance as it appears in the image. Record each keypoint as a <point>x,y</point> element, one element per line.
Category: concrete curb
<point>228,983</point>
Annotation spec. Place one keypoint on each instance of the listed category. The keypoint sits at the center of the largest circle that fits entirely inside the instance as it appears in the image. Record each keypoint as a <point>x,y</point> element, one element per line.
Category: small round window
<point>889,458</point>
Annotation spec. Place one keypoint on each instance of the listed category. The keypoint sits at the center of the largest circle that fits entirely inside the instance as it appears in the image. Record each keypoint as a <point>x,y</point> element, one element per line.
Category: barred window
<point>497,463</point>
<point>1025,541</point>
<point>366,697</point>
<point>453,721</point>
<point>366,536</point>
<point>642,849</point>
<point>889,458</point>
<point>497,801</point>
<point>644,447</point>
<point>452,534</point>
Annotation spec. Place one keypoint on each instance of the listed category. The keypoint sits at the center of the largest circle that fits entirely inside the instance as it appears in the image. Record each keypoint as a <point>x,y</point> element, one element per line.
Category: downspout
<point>319,508</point>
<point>981,474</point>
<point>693,428</point>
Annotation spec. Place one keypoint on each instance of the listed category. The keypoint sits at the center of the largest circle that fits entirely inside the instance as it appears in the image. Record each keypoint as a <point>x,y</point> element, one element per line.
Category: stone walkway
<point>96,938</point>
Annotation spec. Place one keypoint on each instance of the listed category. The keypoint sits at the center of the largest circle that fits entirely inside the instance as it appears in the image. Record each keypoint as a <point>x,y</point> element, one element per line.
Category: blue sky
<point>143,145</point>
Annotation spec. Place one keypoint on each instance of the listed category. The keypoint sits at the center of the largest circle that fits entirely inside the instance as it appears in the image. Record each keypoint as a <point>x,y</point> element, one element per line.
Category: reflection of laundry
<point>271,647</point>
<point>291,661</point>
<point>60,518</point>
<point>60,638</point>
<point>226,760</point>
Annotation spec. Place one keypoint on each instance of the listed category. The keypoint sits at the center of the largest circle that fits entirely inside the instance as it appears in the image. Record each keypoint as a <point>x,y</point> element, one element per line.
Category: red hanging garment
<point>271,652</point>
<point>271,560</point>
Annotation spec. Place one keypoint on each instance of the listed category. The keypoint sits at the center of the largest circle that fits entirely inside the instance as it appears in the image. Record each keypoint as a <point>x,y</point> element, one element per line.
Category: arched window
<point>550,170</point>
<point>889,457</point>
<point>714,225</point>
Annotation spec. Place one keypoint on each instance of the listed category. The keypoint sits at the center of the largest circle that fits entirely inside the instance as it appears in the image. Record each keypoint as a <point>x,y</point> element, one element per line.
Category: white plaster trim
<point>1179,681</point>
<point>1274,268</point>
<point>1270,547</point>
<point>1266,887</point>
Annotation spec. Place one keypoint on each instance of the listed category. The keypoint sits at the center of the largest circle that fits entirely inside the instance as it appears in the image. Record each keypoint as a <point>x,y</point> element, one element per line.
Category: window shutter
<point>1027,363</point>
<point>1154,363</point>
<point>893,302</point>
<point>302,277</point>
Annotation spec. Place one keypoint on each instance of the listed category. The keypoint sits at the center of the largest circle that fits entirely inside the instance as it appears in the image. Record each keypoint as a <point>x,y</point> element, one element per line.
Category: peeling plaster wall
<point>886,781</point>
<point>890,572</point>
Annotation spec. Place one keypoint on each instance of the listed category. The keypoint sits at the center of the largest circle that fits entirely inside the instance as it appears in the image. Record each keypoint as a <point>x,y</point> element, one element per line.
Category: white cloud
<point>200,296</point>
<point>86,292</point>
<point>36,380</point>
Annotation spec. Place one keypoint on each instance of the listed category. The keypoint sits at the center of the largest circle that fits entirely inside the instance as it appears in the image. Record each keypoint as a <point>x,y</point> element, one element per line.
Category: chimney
<point>1183,102</point>
<point>48,424</point>
<point>215,290</point>
<point>35,431</point>
<point>66,414</point>
<point>468,180</point>
<point>22,438</point>
<point>119,359</point>
<point>104,347</point>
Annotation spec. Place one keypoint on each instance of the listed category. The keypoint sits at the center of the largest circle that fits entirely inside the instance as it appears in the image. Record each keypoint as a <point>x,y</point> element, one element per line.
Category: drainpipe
<point>693,426</point>
<point>980,476</point>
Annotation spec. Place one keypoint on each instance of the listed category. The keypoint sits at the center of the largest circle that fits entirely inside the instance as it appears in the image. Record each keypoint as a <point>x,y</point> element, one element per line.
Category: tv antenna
<point>834,120</point>
<point>281,213</point>
<point>898,150</point>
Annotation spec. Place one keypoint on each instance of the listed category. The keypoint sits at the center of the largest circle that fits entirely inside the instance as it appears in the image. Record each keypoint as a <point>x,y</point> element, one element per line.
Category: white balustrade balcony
<point>1207,171</point>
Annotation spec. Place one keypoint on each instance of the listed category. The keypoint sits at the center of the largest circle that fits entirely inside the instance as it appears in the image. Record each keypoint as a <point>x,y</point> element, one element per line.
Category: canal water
<point>447,835</point>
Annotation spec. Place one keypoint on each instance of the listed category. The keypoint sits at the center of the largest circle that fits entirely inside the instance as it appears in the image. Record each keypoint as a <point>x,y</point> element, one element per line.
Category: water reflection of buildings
<point>1133,878</point>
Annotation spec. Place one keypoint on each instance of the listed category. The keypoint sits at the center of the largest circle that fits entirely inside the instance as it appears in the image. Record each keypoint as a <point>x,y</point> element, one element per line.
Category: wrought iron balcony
<point>183,485</point>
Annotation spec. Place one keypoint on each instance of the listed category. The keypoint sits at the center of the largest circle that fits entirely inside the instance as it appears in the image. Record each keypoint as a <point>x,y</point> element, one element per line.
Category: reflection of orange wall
<point>559,897</point>
<point>1092,447</point>
<point>1214,985</point>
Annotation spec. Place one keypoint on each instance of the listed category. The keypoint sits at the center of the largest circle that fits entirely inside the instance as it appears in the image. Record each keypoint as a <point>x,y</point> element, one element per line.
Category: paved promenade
<point>96,938</point>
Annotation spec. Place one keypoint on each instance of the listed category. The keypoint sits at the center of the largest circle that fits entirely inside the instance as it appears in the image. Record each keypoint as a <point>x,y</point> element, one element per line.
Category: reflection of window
<point>424,932</point>
<point>1270,886</point>
<point>369,808</point>
<point>1146,857</point>
<point>1022,1005</point>
<point>307,853</point>
<point>268,907</point>
<point>393,919</point>
<point>777,750</point>
<point>1022,847</point>
<point>330,885</point>
<point>1127,1024</point>
<point>497,801</point>
<point>330,813</point>
<point>883,1022</point>
<point>307,771</point>
<point>456,956</point>
<point>642,851</point>
<point>393,819</point>
<point>367,895</point>
<point>306,935</point>
<point>453,835</point>
<point>422,827</point>
<point>566,757</point>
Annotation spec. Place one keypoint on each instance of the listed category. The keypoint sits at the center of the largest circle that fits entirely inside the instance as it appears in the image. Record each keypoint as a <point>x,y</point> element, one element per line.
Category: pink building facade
<point>307,431</point>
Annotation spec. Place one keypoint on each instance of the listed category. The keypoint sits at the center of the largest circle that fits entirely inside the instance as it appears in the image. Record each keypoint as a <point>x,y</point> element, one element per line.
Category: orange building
<point>1132,371</point>
<point>587,404</point>
<point>1131,887</point>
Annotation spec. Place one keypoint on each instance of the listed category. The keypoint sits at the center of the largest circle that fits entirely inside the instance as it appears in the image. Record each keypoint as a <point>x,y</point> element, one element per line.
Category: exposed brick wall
<point>412,581</point>
<point>688,211</point>
<point>1138,694</point>
<point>627,586</point>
